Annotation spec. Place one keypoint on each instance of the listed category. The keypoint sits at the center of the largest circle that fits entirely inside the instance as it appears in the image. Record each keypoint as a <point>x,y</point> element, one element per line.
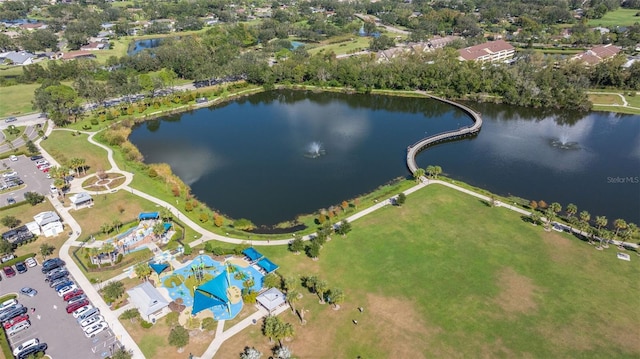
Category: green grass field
<point>64,145</point>
<point>352,43</point>
<point>619,17</point>
<point>16,100</point>
<point>447,276</point>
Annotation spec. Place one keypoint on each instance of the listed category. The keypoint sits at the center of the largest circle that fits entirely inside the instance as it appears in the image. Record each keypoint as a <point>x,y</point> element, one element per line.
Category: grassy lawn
<point>16,100</point>
<point>121,205</point>
<point>25,212</point>
<point>619,17</point>
<point>64,145</point>
<point>634,101</point>
<point>605,99</point>
<point>154,343</point>
<point>101,276</point>
<point>350,44</point>
<point>447,276</point>
<point>621,109</point>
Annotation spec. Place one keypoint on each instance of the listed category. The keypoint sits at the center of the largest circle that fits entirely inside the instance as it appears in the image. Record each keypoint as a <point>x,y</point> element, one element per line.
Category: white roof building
<point>43,218</point>
<point>81,199</point>
<point>34,228</point>
<point>149,302</point>
<point>271,299</point>
<point>52,229</point>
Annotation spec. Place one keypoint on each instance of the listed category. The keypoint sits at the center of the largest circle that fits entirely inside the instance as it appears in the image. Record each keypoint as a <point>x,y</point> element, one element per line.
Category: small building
<point>94,46</point>
<point>44,218</point>
<point>271,299</point>
<point>149,302</point>
<point>144,216</point>
<point>17,58</point>
<point>34,228</point>
<point>52,229</point>
<point>491,51</point>
<point>80,200</point>
<point>598,54</point>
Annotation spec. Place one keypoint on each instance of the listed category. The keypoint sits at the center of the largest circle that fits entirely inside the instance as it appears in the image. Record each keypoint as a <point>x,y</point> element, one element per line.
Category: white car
<point>31,262</point>
<point>82,310</point>
<point>91,320</point>
<point>29,343</point>
<point>67,289</point>
<point>7,303</point>
<point>41,162</point>
<point>13,158</point>
<point>94,329</point>
<point>9,174</point>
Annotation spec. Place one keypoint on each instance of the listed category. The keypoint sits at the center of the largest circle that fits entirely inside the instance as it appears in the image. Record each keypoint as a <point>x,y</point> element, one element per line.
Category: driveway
<point>34,179</point>
<point>50,322</point>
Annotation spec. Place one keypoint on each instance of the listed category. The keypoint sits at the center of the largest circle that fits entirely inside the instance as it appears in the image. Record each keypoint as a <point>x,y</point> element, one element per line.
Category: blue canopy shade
<point>252,254</point>
<point>167,226</point>
<point>210,294</point>
<point>158,267</point>
<point>148,215</point>
<point>267,265</point>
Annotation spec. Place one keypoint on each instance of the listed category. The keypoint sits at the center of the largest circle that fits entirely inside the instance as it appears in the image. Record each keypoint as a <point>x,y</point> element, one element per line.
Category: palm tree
<point>571,210</point>
<point>93,252</point>
<point>269,327</point>
<point>292,298</point>
<point>419,173</point>
<point>631,231</point>
<point>585,217</point>
<point>438,171</point>
<point>59,184</point>
<point>75,164</point>
<point>250,353</point>
<point>337,297</point>
<point>549,216</point>
<point>535,217</point>
<point>601,221</point>
<point>619,224</point>
<point>431,171</point>
<point>109,248</point>
<point>282,353</point>
<point>81,165</point>
<point>116,224</point>
<point>142,270</point>
<point>556,208</point>
<point>321,288</point>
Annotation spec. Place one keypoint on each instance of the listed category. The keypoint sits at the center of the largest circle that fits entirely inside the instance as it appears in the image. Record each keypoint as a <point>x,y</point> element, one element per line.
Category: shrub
<point>208,324</point>
<point>179,337</point>
<point>203,217</point>
<point>94,121</point>
<point>187,250</point>
<point>172,319</point>
<point>249,297</point>
<point>145,324</point>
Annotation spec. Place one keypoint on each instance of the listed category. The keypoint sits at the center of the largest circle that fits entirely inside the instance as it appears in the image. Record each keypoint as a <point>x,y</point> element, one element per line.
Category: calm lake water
<point>140,45</point>
<point>255,157</point>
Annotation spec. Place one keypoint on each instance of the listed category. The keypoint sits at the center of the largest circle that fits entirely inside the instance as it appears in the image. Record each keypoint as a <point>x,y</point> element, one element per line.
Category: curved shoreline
<point>473,130</point>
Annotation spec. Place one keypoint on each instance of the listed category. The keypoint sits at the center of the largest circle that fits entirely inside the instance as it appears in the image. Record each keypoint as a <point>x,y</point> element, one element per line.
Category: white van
<point>53,189</point>
<point>18,328</point>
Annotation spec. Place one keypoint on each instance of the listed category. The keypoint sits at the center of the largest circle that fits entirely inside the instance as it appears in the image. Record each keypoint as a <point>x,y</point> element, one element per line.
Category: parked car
<point>18,328</point>
<point>11,119</point>
<point>10,314</point>
<point>70,295</point>
<point>10,323</point>
<point>28,291</point>
<point>29,343</point>
<point>86,314</point>
<point>40,348</point>
<point>8,271</point>
<point>60,283</point>
<point>13,158</point>
<point>91,320</point>
<point>7,303</point>
<point>67,289</point>
<point>11,200</point>
<point>51,264</point>
<point>57,275</point>
<point>37,157</point>
<point>31,262</point>
<point>72,307</point>
<point>94,329</point>
<point>21,267</point>
<point>10,174</point>
<point>8,309</point>
<point>41,161</point>
<point>76,299</point>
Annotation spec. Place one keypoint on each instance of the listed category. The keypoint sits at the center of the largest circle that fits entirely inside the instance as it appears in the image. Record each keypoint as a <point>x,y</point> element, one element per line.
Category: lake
<point>139,45</point>
<point>271,156</point>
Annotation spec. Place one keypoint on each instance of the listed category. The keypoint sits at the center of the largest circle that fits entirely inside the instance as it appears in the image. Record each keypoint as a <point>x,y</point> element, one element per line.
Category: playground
<point>136,237</point>
<point>204,283</point>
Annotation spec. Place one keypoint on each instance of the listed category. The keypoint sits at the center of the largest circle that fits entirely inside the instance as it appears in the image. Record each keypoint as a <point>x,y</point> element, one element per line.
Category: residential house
<point>94,46</point>
<point>19,58</point>
<point>80,200</point>
<point>52,229</point>
<point>151,304</point>
<point>491,51</point>
<point>44,218</point>
<point>597,54</point>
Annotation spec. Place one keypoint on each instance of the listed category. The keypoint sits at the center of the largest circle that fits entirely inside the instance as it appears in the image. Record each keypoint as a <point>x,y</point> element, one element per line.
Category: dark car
<point>79,298</point>
<point>8,271</point>
<point>57,275</point>
<point>51,264</point>
<point>11,200</point>
<point>61,283</point>
<point>28,291</point>
<point>21,267</point>
<point>35,158</point>
<point>77,305</point>
<point>12,313</point>
<point>40,348</point>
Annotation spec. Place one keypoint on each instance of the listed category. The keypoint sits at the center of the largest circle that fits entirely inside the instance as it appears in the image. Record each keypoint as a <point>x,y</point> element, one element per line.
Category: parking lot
<point>50,322</point>
<point>34,179</point>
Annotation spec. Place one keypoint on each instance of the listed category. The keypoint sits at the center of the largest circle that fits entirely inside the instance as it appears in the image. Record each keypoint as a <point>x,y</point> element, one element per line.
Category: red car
<point>73,294</point>
<point>16,320</point>
<point>72,307</point>
<point>9,272</point>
